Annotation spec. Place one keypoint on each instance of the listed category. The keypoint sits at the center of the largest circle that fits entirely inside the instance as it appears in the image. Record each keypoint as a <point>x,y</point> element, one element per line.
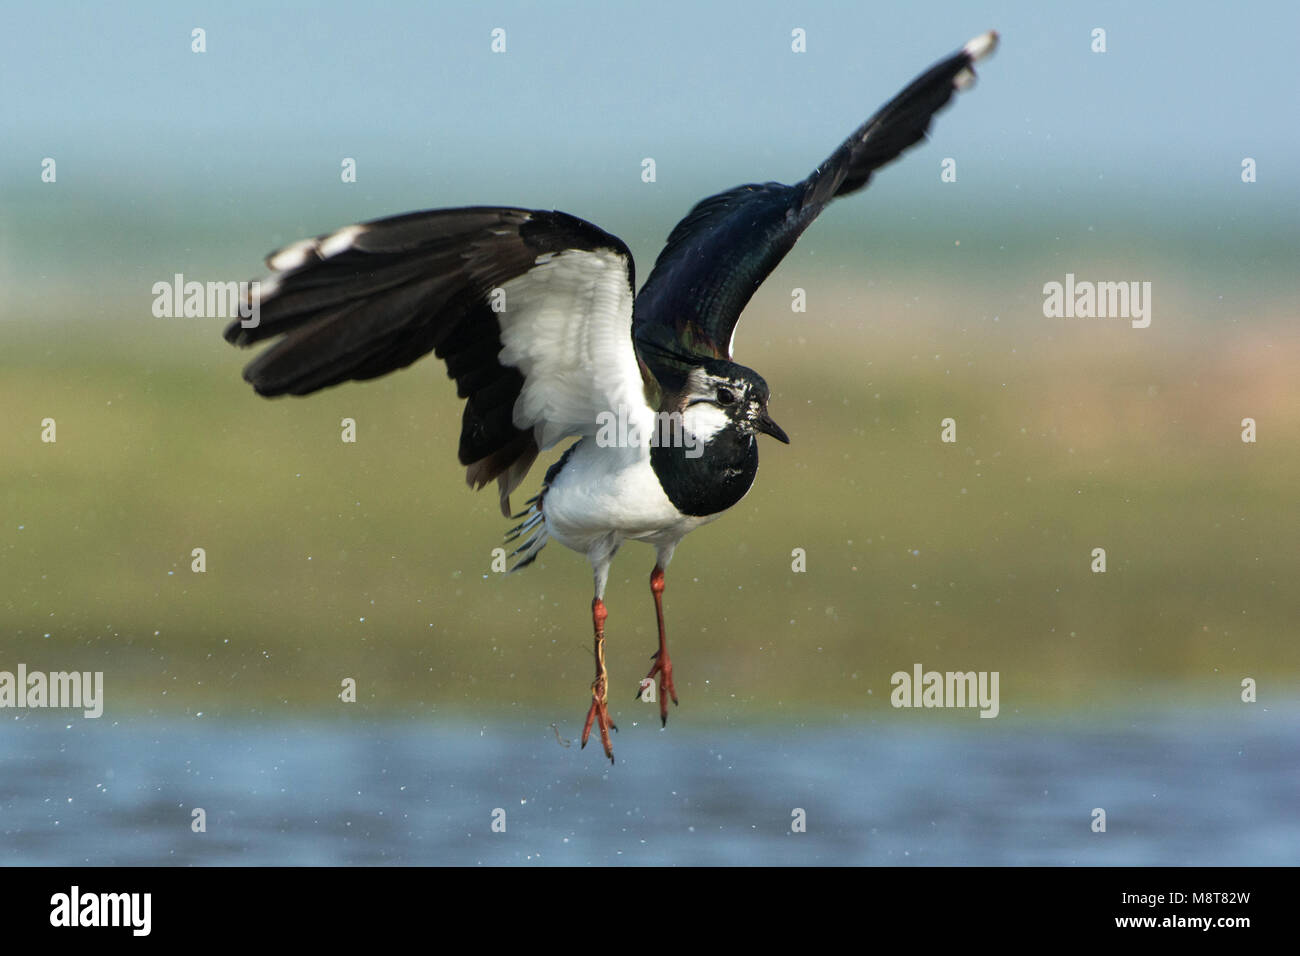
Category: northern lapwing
<point>536,315</point>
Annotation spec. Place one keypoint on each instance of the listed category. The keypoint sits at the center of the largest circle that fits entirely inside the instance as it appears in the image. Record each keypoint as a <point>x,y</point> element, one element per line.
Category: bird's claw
<point>599,715</point>
<point>663,667</point>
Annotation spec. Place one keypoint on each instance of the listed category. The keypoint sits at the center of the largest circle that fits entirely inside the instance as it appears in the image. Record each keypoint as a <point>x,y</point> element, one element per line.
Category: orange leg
<point>663,664</point>
<point>599,695</point>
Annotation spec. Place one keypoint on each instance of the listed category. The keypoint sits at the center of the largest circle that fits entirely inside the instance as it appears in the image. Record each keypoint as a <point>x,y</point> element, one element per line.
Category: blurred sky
<point>216,158</point>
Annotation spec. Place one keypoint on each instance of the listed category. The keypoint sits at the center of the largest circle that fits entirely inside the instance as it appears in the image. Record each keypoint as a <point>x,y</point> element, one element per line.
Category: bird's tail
<point>531,533</point>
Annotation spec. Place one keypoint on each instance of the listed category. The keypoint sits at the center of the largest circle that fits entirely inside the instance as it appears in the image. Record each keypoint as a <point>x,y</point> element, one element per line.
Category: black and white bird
<point>536,315</point>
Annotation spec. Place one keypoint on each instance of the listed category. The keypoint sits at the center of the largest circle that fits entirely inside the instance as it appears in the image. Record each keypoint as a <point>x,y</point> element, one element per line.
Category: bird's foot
<point>663,667</point>
<point>599,715</point>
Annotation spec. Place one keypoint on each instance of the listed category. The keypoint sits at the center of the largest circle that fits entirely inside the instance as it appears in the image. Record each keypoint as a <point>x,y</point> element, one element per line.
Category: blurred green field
<point>371,560</point>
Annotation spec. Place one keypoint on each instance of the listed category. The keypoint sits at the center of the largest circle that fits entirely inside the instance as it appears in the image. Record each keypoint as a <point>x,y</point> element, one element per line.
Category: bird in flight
<point>537,317</point>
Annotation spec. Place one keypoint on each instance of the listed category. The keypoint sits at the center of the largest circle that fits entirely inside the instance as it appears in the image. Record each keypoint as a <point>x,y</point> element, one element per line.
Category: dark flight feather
<point>721,252</point>
<point>370,299</point>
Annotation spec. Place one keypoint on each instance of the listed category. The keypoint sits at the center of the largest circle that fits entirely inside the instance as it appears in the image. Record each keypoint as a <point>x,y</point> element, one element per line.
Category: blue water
<point>1178,788</point>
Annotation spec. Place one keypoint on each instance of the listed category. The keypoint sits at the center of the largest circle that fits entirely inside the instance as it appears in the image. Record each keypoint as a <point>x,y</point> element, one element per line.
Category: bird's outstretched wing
<point>531,311</point>
<point>727,245</point>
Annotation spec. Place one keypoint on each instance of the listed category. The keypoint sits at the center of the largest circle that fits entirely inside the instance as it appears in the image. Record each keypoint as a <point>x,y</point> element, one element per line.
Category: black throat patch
<point>712,481</point>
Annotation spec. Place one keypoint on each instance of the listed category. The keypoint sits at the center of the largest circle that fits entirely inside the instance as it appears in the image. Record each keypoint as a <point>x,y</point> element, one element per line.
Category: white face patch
<point>704,420</point>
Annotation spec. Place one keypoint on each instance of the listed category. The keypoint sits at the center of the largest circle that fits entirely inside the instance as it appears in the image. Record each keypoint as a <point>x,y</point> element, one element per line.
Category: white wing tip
<point>340,241</point>
<point>980,47</point>
<point>976,49</point>
<point>292,256</point>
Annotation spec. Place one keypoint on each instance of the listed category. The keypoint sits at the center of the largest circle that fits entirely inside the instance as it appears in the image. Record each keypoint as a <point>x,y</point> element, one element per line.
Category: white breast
<point>604,491</point>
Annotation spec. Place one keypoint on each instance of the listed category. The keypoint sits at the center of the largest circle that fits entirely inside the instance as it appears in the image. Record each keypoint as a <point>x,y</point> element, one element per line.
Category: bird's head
<point>721,394</point>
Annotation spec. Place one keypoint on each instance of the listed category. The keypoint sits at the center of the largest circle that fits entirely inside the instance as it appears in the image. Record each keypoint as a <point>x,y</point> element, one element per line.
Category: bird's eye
<point>726,396</point>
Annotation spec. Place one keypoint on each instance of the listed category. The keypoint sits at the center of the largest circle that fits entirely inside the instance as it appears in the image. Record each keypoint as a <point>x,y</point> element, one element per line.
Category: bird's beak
<point>765,425</point>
